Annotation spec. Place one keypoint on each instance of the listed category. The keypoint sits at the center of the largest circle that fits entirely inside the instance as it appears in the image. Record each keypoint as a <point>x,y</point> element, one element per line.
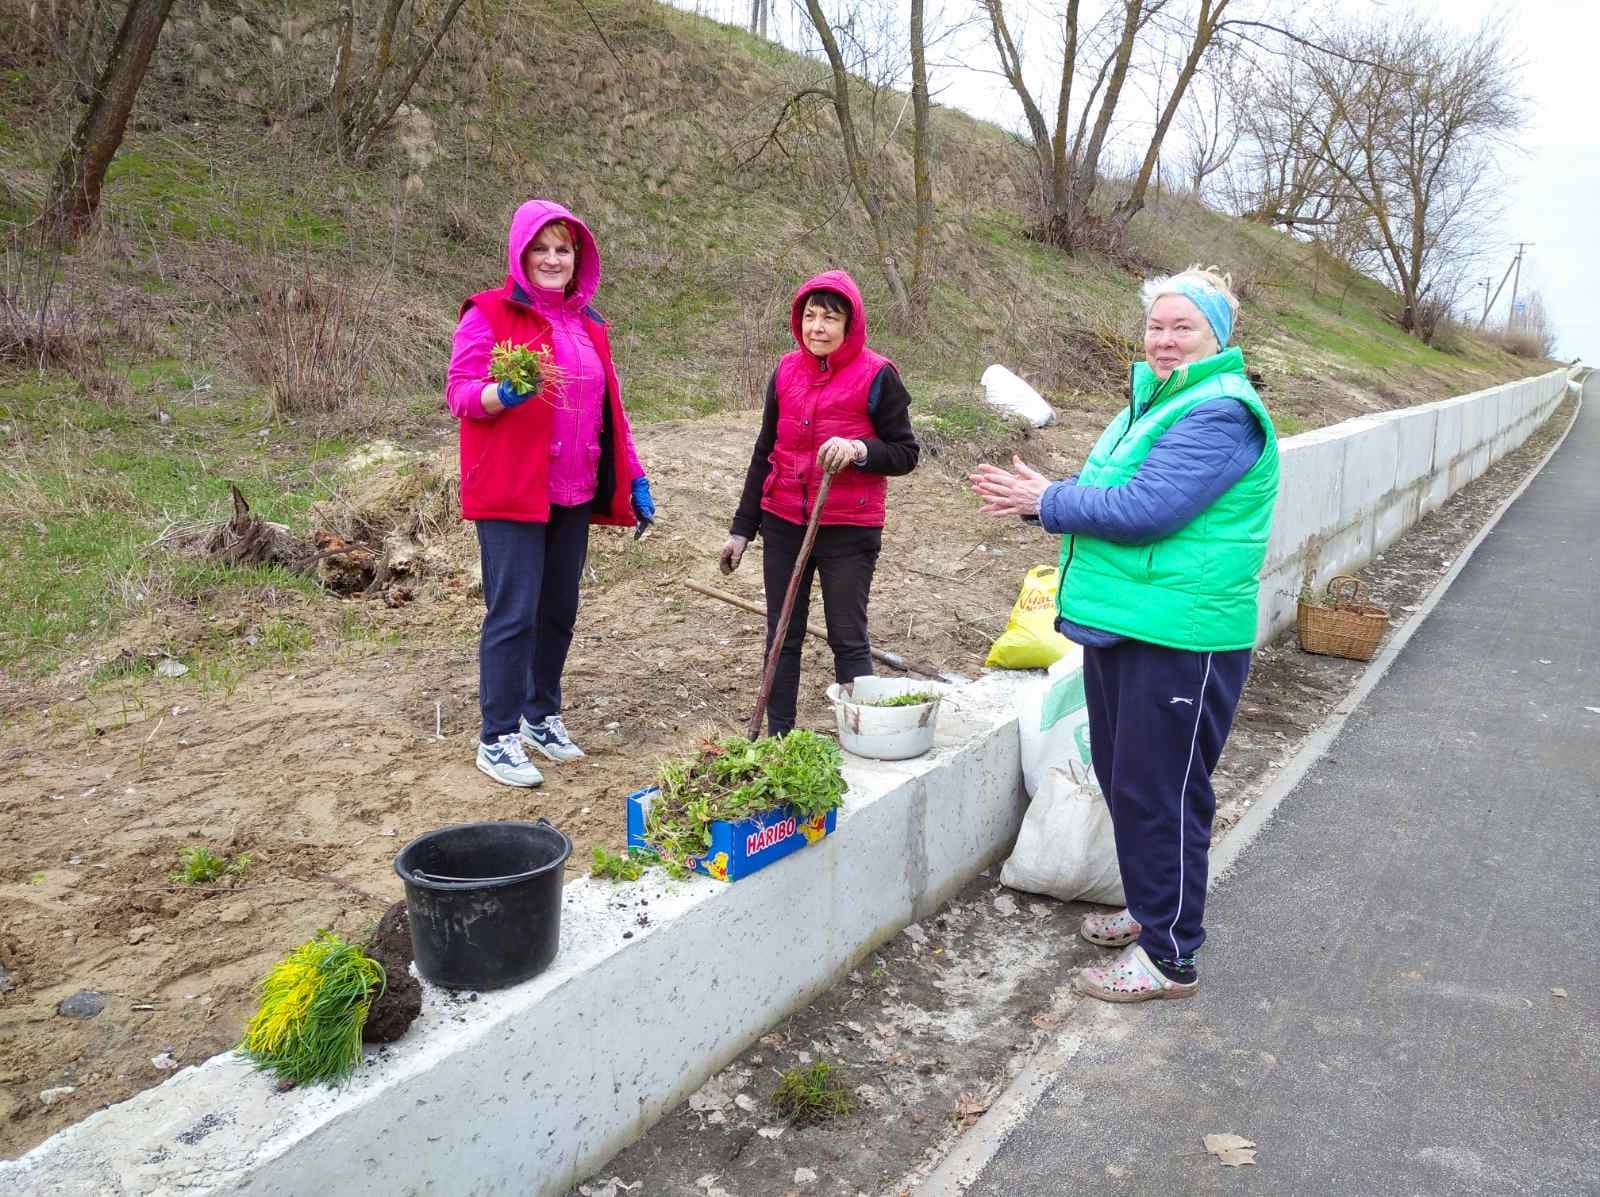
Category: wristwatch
<point>861,456</point>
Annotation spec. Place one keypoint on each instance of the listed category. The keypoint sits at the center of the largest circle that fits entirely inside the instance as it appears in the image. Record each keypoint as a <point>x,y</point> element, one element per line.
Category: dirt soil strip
<point>928,1031</point>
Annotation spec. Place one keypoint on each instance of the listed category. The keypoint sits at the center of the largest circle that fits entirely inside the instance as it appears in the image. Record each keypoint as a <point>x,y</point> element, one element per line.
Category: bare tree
<point>364,100</point>
<point>81,172</point>
<point>1412,144</point>
<point>1211,125</point>
<point>758,16</point>
<point>1071,158</point>
<point>856,164</point>
<point>1281,177</point>
<point>921,246</point>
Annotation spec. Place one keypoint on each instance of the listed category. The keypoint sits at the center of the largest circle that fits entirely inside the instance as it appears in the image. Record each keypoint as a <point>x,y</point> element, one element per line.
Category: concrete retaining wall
<point>1350,489</point>
<point>526,1090</point>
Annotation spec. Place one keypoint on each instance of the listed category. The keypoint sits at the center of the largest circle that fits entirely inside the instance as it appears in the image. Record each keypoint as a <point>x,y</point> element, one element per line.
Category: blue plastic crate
<point>739,848</point>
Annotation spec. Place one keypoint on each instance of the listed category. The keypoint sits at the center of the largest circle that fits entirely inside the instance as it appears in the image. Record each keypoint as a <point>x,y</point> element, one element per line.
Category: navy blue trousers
<point>530,592</point>
<point>1158,718</point>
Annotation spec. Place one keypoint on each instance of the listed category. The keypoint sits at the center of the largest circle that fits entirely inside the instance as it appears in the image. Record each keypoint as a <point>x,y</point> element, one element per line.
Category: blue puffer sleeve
<point>1188,469</point>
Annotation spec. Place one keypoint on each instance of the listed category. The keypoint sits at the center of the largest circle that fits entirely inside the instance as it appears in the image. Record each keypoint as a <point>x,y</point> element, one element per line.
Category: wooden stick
<point>788,607</point>
<point>891,659</point>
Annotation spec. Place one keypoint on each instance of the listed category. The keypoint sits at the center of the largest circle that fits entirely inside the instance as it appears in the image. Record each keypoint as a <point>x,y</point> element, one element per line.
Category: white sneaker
<point>507,762</point>
<point>549,736</point>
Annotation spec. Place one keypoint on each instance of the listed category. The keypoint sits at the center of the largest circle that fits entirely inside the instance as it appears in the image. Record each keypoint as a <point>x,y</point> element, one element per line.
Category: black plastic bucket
<point>484,901</point>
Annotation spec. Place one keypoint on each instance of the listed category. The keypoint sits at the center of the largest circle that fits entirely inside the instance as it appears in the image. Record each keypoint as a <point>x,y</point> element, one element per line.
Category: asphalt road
<point>1401,988</point>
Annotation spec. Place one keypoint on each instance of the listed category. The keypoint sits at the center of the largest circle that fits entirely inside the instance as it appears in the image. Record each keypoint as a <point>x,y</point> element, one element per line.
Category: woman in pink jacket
<point>833,407</point>
<point>536,470</point>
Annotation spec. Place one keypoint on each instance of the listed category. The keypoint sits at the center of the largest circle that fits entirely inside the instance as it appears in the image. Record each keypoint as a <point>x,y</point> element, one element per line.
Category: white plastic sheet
<point>1011,394</point>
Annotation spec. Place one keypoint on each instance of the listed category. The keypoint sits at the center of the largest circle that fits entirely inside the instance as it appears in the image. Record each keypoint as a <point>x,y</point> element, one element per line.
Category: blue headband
<point>1213,306</point>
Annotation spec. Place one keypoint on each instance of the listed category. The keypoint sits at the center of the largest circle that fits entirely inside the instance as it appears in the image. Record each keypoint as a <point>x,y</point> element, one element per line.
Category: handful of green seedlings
<point>733,779</point>
<point>525,368</point>
<point>609,866</point>
<point>917,698</point>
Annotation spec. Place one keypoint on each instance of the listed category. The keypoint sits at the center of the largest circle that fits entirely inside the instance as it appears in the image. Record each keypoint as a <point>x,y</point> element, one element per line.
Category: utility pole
<point>1515,280</point>
<point>1484,283</point>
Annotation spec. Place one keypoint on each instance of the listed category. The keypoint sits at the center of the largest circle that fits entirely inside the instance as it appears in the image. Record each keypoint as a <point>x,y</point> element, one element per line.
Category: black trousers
<point>846,557</point>
<point>530,594</point>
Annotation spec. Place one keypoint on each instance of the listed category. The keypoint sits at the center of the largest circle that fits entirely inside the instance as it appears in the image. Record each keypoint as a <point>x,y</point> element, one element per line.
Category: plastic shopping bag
<point>1030,640</point>
<point>1053,720</point>
<point>1066,847</point>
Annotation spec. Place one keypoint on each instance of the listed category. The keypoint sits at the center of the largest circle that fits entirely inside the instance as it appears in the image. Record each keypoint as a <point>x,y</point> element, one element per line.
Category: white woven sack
<point>1005,390</point>
<point>1066,847</point>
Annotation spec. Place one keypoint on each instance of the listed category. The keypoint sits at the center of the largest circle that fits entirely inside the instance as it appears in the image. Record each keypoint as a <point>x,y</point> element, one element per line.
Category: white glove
<point>732,553</point>
<point>838,452</point>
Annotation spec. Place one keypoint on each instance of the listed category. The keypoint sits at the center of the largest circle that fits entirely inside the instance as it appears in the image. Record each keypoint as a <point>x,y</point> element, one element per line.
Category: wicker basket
<point>1346,626</point>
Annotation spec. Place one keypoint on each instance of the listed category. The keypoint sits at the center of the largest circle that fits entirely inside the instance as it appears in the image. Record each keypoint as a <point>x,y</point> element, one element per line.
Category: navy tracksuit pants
<point>1158,718</point>
<point>530,591</point>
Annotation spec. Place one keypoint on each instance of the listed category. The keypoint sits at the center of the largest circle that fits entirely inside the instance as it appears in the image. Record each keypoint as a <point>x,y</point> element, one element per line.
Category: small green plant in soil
<point>917,698</point>
<point>199,865</point>
<point>812,1094</point>
<point>313,1004</point>
<point>736,778</point>
<point>524,368</point>
<point>611,867</point>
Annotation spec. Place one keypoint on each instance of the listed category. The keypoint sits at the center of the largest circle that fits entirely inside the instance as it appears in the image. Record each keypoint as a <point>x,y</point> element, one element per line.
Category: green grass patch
<point>813,1094</point>
<point>159,185</point>
<point>85,488</point>
<point>199,865</point>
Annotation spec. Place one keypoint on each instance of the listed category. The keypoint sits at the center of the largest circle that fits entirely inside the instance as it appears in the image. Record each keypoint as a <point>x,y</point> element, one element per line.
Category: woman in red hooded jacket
<point>537,469</point>
<point>833,406</point>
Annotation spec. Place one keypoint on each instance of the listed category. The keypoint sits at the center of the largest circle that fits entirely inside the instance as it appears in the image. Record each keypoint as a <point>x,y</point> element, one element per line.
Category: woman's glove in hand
<point>509,396</point>
<point>838,452</point>
<point>732,553</point>
<point>644,506</point>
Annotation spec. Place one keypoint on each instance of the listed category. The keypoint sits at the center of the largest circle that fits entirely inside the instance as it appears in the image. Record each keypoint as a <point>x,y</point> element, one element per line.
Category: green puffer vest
<point>1195,589</point>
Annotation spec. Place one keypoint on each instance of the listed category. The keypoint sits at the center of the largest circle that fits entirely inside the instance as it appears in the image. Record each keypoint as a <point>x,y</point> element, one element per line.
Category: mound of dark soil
<point>401,1001</point>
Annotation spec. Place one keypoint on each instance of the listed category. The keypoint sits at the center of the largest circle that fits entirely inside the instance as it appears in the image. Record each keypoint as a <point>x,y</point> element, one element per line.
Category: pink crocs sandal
<point>1110,930</point>
<point>1131,978</point>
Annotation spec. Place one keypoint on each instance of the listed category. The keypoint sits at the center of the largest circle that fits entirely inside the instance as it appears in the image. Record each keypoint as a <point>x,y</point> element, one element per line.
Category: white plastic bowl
<point>885,733</point>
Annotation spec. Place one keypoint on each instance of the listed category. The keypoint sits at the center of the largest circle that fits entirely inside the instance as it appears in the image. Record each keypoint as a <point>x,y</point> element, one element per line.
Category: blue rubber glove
<point>509,396</point>
<point>644,507</point>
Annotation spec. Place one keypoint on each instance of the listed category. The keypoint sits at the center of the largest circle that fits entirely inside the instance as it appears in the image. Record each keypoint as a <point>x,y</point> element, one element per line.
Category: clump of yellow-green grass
<point>313,1004</point>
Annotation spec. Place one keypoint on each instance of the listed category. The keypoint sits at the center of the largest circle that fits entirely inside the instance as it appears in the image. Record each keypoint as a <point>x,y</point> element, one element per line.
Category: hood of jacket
<point>856,337</point>
<point>525,225</point>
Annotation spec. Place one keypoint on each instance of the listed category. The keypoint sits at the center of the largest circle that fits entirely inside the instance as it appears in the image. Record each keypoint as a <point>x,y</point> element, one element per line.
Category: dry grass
<point>1523,342</point>
<point>43,321</point>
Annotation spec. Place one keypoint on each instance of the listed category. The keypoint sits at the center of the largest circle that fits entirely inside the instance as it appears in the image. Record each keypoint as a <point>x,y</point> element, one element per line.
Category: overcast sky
<point>1552,191</point>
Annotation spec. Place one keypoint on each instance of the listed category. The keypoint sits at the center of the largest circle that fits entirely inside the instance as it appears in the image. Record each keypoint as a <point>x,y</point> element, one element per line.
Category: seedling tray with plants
<point>738,805</point>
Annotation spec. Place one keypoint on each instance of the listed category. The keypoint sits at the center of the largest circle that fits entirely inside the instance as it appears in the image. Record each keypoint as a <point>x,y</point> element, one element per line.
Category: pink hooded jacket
<point>561,446</point>
<point>818,399</point>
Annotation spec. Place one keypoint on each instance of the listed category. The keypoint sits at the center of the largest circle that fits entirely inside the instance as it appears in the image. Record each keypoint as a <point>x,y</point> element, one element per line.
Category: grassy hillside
<point>231,227</point>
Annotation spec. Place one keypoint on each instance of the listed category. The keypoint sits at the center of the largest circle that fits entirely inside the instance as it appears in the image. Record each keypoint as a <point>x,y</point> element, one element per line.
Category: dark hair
<point>829,301</point>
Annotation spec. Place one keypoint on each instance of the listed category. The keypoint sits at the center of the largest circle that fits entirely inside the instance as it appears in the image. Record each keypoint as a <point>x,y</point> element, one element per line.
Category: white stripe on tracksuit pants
<point>1158,718</point>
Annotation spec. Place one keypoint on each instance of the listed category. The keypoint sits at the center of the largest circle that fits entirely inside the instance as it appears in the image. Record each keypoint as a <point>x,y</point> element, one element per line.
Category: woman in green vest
<point>1163,535</point>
